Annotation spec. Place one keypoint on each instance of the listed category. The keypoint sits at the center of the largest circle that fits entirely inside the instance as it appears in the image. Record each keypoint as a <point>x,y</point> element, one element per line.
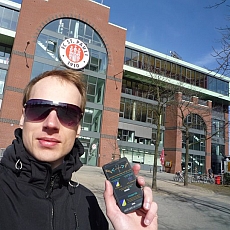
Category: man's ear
<point>78,131</point>
<point>21,122</point>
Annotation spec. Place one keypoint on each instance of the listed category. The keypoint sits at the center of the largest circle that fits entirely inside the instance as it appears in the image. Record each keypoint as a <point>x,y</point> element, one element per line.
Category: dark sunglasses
<point>39,109</point>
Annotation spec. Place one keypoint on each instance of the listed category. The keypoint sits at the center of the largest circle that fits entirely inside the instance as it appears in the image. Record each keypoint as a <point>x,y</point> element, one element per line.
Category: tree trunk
<point>154,180</point>
<point>186,158</point>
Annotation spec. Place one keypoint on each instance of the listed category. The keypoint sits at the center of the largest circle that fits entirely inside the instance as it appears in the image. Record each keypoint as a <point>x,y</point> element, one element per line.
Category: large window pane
<point>1,14</point>
<point>14,20</point>
<point>128,56</point>
<point>2,80</point>
<point>6,18</point>
<point>91,120</point>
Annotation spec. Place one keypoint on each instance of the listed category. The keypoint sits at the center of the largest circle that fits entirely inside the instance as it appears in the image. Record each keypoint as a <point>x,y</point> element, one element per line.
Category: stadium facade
<point>119,118</point>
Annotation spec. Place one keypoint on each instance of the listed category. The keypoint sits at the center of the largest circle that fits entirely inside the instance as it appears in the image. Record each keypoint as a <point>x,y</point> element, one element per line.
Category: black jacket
<point>35,197</point>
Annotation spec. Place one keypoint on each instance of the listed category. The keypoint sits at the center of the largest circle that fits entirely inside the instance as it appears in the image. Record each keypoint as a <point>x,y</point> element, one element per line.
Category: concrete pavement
<point>93,178</point>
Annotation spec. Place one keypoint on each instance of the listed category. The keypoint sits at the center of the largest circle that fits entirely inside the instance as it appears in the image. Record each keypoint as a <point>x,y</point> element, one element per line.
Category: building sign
<point>74,53</point>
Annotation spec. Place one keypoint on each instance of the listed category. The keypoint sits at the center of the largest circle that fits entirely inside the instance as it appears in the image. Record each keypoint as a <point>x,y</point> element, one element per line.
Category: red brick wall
<point>173,134</point>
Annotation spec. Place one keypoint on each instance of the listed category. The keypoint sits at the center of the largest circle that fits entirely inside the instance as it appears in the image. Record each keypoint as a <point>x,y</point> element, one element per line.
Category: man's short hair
<point>68,75</point>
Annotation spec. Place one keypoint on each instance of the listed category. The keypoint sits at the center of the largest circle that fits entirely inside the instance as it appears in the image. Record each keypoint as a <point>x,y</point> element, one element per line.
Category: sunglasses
<point>39,109</point>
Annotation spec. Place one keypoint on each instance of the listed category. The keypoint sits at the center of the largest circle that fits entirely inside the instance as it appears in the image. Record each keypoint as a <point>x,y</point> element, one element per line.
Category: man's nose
<point>52,121</point>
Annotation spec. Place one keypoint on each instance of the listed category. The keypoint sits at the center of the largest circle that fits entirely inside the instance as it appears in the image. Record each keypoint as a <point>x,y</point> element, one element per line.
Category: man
<point>36,191</point>
<point>210,173</point>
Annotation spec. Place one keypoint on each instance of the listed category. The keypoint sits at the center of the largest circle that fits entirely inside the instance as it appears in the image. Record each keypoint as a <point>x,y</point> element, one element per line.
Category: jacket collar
<point>25,166</point>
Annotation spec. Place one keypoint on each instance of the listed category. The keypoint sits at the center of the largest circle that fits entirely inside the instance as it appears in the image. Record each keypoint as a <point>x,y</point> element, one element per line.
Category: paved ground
<point>180,207</point>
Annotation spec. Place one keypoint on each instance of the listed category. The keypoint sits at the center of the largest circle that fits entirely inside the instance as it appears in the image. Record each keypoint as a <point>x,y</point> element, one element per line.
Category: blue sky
<point>184,26</point>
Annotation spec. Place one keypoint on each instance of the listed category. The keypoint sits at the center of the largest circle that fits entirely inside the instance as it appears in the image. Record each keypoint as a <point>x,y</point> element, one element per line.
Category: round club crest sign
<point>74,53</point>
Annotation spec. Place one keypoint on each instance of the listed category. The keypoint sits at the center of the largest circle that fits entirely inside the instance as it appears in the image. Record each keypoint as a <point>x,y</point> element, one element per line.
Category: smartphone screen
<point>128,195</point>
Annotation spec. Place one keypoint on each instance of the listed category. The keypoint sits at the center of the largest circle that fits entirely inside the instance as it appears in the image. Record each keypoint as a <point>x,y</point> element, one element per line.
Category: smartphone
<point>128,194</point>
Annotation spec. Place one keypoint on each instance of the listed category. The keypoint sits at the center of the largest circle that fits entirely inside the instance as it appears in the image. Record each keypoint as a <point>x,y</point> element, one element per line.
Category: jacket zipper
<point>48,196</point>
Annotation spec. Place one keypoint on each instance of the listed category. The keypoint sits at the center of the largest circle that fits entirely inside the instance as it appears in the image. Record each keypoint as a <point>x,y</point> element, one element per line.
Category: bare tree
<point>163,91</point>
<point>222,55</point>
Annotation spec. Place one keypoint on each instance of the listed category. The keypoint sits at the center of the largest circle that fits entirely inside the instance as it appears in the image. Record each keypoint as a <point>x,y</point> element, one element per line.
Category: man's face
<point>48,140</point>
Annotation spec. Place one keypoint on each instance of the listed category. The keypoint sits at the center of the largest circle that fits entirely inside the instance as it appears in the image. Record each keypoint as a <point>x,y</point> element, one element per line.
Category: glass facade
<point>195,121</point>
<point>95,89</point>
<point>138,111</point>
<point>47,58</point>
<point>8,18</point>
<point>91,120</point>
<point>2,80</point>
<point>141,118</point>
<point>90,150</point>
<point>50,38</point>
<point>175,71</point>
<point>196,163</point>
<point>217,150</point>
<point>218,154</point>
<point>129,136</point>
<point>137,88</point>
<point>218,128</point>
<point>135,155</point>
<point>196,141</point>
<point>5,52</point>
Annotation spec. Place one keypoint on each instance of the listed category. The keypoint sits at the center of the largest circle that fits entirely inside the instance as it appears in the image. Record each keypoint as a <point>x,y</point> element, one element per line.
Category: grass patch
<point>219,189</point>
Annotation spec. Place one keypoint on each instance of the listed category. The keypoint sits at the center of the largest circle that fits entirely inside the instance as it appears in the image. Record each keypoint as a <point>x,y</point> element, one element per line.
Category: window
<point>141,140</point>
<point>39,67</point>
<point>127,56</point>
<point>218,128</point>
<point>2,51</point>
<point>1,152</point>
<point>91,120</point>
<point>212,83</point>
<point>125,135</point>
<point>5,52</point>
<point>88,32</point>
<point>47,45</point>
<point>129,136</point>
<point>94,60</point>
<point>196,141</point>
<point>51,46</point>
<point>196,162</point>
<point>188,76</point>
<point>137,110</point>
<point>217,150</point>
<point>94,88</point>
<point>134,58</point>
<point>128,109</point>
<point>14,20</point>
<point>192,79</point>
<point>166,68</point>
<point>122,108</point>
<point>157,65</point>
<point>8,18</point>
<point>195,121</point>
<point>63,26</point>
<point>2,80</point>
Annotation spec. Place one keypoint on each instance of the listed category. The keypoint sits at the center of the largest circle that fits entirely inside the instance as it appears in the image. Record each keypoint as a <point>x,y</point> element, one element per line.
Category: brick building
<point>118,120</point>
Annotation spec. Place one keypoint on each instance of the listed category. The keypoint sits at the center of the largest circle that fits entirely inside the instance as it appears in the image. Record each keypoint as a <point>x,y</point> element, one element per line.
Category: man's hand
<point>144,218</point>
